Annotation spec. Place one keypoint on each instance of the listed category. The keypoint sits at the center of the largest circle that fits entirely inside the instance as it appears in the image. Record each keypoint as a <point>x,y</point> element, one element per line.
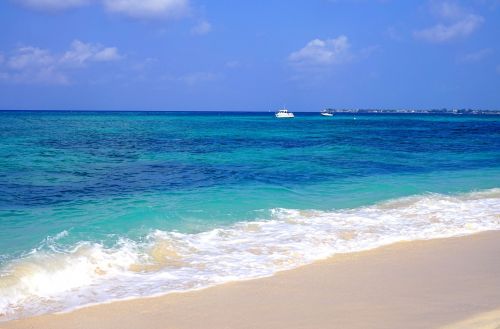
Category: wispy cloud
<point>319,52</point>
<point>33,65</point>
<point>393,33</point>
<point>447,9</point>
<point>190,79</point>
<point>201,28</point>
<point>475,56</point>
<point>53,5</point>
<point>232,64</point>
<point>456,22</point>
<point>148,8</point>
<point>195,78</point>
<point>141,9</point>
<point>144,64</point>
<point>441,32</point>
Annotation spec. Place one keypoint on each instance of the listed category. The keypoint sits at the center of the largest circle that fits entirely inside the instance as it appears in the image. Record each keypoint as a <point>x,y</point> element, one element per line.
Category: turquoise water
<point>148,200</point>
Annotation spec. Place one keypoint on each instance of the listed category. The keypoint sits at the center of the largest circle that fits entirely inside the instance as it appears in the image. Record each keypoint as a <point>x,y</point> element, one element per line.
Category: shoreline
<point>417,284</point>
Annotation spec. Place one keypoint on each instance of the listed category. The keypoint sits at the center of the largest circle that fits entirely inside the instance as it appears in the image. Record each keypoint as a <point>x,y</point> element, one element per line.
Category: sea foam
<point>163,262</point>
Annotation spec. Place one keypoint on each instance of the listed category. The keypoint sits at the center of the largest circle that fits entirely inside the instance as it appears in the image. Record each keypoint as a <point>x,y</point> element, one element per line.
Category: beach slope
<point>444,283</point>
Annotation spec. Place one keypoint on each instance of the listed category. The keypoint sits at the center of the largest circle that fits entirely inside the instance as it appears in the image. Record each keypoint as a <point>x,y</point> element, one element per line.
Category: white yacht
<point>327,113</point>
<point>284,114</point>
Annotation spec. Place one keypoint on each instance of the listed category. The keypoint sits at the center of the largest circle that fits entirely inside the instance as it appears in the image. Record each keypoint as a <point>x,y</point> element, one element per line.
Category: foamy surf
<point>163,262</point>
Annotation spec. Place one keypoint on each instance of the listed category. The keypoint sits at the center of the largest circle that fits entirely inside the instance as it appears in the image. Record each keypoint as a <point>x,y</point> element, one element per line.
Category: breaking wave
<point>163,262</point>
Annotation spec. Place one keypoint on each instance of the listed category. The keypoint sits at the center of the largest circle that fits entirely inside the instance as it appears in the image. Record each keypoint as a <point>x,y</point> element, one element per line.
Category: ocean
<point>103,206</point>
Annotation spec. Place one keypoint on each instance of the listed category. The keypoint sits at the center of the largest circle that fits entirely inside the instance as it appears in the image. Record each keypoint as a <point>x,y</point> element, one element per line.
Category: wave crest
<point>50,281</point>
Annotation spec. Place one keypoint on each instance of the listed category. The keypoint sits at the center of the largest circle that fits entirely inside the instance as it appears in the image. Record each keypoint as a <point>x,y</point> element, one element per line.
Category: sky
<point>249,55</point>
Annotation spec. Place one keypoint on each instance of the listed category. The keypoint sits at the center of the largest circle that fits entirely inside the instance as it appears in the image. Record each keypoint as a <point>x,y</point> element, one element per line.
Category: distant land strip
<point>415,111</point>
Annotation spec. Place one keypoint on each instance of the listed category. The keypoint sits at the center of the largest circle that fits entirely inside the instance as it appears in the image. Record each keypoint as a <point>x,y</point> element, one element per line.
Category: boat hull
<point>284,116</point>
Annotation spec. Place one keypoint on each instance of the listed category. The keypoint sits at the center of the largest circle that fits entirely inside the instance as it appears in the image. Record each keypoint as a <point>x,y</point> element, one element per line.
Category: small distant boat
<point>282,114</point>
<point>327,113</point>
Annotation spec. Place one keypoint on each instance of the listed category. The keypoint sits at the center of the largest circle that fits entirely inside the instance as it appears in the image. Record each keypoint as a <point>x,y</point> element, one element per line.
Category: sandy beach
<point>443,283</point>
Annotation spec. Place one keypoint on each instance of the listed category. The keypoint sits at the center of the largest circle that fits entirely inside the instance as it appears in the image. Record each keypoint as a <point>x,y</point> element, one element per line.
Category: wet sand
<point>445,284</point>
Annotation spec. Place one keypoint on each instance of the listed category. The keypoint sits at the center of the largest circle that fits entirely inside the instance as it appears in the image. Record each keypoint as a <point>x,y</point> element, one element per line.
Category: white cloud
<point>143,9</point>
<point>53,5</point>
<point>107,54</point>
<point>81,52</point>
<point>458,23</point>
<point>34,65</point>
<point>476,56</point>
<point>322,52</point>
<point>201,28</point>
<point>148,8</point>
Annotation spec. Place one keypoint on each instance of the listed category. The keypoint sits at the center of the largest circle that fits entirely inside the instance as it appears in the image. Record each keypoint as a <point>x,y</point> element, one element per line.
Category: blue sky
<point>249,55</point>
